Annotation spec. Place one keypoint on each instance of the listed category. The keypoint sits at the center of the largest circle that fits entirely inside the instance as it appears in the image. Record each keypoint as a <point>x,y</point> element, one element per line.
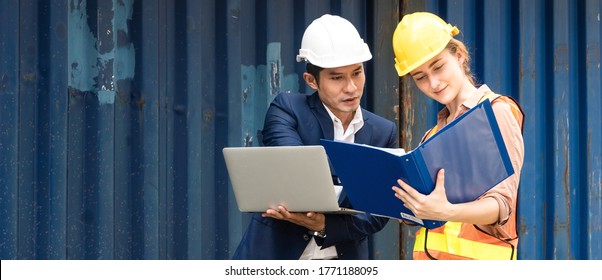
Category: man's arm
<point>280,125</point>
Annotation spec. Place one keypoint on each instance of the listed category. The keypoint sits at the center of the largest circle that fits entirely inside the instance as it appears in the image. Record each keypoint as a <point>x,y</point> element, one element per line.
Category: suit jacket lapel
<point>321,115</point>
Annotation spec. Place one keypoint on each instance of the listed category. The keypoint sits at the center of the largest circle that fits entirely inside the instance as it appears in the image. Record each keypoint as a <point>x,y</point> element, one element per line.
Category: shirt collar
<point>347,135</point>
<point>358,118</point>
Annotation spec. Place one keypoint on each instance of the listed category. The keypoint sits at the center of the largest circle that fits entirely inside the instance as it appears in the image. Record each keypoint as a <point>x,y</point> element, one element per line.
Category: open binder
<point>470,149</point>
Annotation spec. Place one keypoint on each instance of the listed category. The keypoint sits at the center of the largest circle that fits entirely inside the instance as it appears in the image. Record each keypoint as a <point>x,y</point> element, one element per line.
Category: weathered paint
<point>82,46</point>
<point>533,80</point>
<point>592,244</point>
<point>253,99</point>
<point>100,60</point>
<point>9,98</point>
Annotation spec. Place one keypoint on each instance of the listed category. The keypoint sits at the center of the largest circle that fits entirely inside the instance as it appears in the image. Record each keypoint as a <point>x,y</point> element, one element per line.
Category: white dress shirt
<point>313,251</point>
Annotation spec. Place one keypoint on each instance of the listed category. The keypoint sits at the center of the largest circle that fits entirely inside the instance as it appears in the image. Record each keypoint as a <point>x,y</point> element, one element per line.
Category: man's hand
<point>311,220</point>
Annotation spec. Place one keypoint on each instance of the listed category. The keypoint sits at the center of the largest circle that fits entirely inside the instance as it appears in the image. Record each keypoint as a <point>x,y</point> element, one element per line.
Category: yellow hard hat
<point>419,37</point>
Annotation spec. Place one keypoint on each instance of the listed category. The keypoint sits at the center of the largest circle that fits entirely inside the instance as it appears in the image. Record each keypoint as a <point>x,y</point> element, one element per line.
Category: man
<point>335,54</point>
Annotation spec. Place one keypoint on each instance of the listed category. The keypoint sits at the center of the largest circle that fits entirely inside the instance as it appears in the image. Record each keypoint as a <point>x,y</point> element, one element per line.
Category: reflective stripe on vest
<point>445,242</point>
<point>449,245</point>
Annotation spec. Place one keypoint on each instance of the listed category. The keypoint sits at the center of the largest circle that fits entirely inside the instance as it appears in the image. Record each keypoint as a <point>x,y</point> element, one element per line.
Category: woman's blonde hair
<point>455,45</point>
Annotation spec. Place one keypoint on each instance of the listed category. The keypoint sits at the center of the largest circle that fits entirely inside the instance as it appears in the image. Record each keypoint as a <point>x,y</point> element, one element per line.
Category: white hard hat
<point>332,41</point>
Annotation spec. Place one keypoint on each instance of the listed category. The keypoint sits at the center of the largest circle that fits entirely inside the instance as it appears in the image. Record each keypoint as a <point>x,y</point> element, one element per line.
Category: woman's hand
<point>433,206</point>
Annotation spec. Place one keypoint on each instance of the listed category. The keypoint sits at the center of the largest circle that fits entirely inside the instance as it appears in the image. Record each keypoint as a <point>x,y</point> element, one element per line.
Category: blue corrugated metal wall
<point>113,115</point>
<point>547,55</point>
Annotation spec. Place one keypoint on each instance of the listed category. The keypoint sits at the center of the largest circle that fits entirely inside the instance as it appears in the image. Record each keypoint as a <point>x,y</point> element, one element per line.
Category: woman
<point>439,65</point>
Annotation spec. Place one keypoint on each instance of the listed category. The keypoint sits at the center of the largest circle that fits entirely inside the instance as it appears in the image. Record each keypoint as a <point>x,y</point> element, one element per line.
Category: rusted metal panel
<point>565,210</point>
<point>533,78</point>
<point>592,244</point>
<point>9,121</point>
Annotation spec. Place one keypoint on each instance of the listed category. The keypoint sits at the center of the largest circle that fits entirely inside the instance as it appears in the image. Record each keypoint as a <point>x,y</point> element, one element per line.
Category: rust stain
<point>532,58</point>
<point>407,119</point>
<point>208,115</point>
<point>566,173</point>
<point>122,97</point>
<point>533,74</point>
<point>520,67</point>
<point>561,59</point>
<point>522,226</point>
<point>564,226</point>
<point>592,55</point>
<point>140,102</point>
<point>595,176</point>
<point>30,76</point>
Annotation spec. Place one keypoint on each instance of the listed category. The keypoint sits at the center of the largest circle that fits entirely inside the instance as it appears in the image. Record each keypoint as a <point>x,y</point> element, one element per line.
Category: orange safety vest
<point>460,241</point>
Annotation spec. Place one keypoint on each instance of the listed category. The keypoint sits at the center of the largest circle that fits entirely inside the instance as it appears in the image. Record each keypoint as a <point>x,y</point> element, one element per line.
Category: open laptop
<point>297,177</point>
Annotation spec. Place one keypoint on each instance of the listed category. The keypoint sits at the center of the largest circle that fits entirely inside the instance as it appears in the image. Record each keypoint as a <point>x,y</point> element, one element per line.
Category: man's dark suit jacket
<point>298,119</point>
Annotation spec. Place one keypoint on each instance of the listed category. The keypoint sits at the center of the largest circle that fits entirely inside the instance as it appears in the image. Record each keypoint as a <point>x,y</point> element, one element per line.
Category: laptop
<point>297,177</point>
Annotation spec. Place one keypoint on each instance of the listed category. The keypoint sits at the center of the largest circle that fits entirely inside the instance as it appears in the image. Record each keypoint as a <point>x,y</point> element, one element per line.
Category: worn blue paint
<point>125,56</point>
<point>251,99</point>
<point>280,81</point>
<point>242,84</point>
<point>9,98</point>
<point>53,139</point>
<point>106,96</point>
<point>147,119</point>
<point>565,139</point>
<point>533,82</point>
<point>99,61</point>
<point>593,103</point>
<point>82,45</point>
<point>252,95</point>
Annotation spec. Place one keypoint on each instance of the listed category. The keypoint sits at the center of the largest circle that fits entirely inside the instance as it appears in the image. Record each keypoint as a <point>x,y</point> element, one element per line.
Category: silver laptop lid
<point>297,177</point>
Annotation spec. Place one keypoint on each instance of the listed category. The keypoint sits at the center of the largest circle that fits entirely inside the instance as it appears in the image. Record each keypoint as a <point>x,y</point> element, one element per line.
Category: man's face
<point>341,89</point>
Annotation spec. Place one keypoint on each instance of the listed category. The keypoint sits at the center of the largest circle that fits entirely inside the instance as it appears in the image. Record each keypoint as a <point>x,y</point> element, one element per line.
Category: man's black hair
<point>314,71</point>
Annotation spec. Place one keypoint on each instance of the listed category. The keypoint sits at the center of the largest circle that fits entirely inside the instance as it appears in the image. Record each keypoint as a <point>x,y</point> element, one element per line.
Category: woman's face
<point>441,78</point>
